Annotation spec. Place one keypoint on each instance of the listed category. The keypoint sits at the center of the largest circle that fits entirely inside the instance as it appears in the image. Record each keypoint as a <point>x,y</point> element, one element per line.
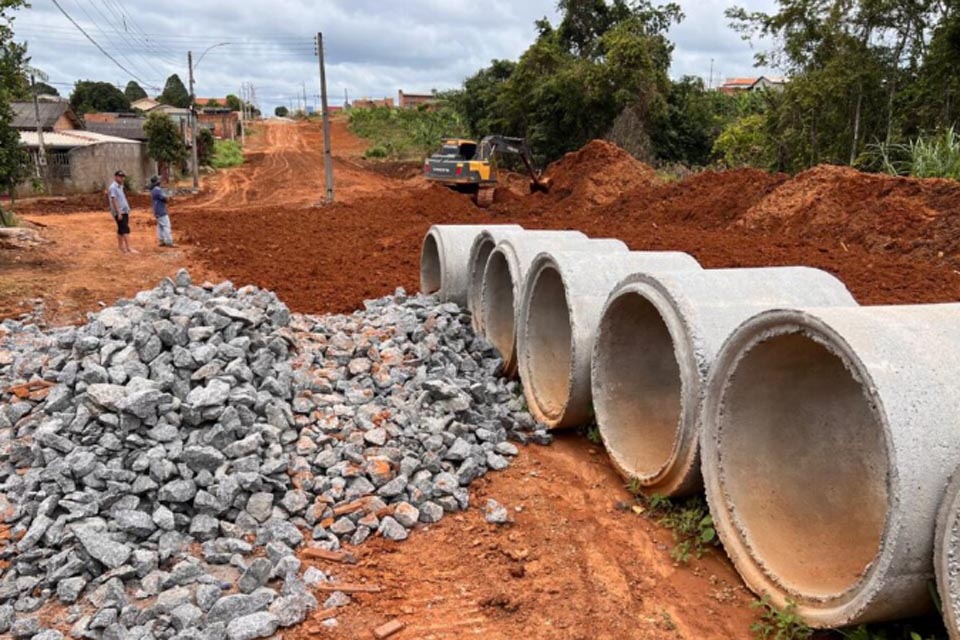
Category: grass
<point>688,519</point>
<point>936,156</point>
<point>226,154</point>
<point>777,624</point>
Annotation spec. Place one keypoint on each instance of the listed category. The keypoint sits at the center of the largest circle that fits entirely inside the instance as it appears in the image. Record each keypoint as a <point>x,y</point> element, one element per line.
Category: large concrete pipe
<point>503,280</point>
<point>563,297</point>
<point>828,439</point>
<point>483,246</point>
<point>946,557</point>
<point>444,255</point>
<point>656,341</point>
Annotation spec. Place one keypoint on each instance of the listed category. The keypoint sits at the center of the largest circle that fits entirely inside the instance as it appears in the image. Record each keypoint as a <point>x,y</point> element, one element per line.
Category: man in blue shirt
<point>120,210</point>
<point>160,199</point>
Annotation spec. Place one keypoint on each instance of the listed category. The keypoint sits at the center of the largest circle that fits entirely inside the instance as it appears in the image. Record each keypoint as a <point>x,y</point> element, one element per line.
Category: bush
<point>937,156</point>
<point>405,133</point>
<point>745,143</point>
<point>226,154</point>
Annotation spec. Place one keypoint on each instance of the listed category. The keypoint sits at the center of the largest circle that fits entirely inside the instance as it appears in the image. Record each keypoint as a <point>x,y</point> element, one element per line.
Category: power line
<point>105,35</point>
<point>102,50</point>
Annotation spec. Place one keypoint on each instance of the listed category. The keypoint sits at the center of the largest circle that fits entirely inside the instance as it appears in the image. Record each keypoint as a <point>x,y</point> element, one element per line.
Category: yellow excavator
<point>470,167</point>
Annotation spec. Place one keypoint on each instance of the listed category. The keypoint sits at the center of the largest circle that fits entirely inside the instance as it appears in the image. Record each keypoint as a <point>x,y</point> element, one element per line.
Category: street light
<point>193,113</point>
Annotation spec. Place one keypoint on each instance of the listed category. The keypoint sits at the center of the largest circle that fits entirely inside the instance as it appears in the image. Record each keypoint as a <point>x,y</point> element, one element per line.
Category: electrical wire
<point>102,50</point>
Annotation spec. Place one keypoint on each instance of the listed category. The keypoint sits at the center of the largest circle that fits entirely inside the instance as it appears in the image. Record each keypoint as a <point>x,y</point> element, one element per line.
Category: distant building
<point>367,103</point>
<point>206,102</point>
<point>736,85</point>
<point>120,125</point>
<point>414,100</point>
<point>54,116</point>
<point>224,122</point>
<point>145,104</point>
<point>84,162</point>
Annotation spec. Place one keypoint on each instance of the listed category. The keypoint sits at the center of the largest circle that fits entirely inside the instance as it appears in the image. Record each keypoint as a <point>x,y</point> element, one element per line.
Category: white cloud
<point>373,47</point>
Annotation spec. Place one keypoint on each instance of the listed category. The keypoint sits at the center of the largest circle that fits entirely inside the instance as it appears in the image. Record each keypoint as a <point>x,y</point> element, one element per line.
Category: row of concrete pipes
<point>824,433</point>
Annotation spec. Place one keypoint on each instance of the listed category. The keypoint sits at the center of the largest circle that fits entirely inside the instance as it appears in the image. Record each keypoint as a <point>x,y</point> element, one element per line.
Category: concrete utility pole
<point>194,157</point>
<point>42,151</point>
<point>243,115</point>
<point>327,153</point>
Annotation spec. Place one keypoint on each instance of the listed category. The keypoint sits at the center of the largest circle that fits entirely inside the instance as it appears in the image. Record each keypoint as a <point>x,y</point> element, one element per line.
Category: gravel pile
<point>160,465</point>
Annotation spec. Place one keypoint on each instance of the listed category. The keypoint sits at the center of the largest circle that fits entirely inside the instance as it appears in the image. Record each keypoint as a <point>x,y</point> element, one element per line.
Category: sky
<point>373,47</point>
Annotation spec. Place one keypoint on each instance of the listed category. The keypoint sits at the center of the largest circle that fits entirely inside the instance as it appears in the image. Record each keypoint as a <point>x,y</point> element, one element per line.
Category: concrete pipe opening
<point>499,306</point>
<point>946,549</point>
<point>798,468</point>
<point>431,274</point>
<point>639,383</point>
<point>550,343</point>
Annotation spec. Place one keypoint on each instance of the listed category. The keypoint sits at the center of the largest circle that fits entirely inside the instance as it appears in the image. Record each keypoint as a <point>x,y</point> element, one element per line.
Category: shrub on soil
<point>226,153</point>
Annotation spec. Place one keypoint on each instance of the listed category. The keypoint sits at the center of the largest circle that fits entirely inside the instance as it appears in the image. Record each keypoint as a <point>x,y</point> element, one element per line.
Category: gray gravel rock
<point>190,417</point>
<point>495,513</point>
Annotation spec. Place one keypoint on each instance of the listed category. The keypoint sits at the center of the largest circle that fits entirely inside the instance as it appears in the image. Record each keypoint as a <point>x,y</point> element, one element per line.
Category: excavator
<point>469,167</point>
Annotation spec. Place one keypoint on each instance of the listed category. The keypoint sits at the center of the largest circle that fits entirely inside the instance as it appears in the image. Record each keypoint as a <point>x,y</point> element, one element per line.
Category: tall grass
<point>226,153</point>
<point>935,156</point>
<point>404,133</point>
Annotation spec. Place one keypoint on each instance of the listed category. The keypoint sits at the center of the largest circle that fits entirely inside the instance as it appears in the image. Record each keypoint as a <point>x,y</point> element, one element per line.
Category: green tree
<point>281,112</point>
<point>477,100</point>
<point>44,89</point>
<point>213,104</point>
<point>13,159</point>
<point>174,93</point>
<point>691,121</point>
<point>164,141</point>
<point>234,103</point>
<point>134,92</point>
<point>90,96</point>
<point>745,143</point>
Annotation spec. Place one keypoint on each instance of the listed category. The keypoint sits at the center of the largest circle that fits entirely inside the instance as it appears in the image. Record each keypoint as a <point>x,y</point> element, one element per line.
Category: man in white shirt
<point>120,210</point>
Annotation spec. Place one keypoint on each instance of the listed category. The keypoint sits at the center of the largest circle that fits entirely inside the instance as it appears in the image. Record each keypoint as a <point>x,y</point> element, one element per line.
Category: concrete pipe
<point>503,280</point>
<point>444,255</point>
<point>656,342</point>
<point>828,439</point>
<point>946,557</point>
<point>483,246</point>
<point>563,297</point>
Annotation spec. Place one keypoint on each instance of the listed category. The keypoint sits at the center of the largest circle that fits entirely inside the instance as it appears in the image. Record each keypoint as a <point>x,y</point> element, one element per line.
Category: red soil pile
<point>708,200</point>
<point>77,203</point>
<point>596,175</point>
<point>881,213</point>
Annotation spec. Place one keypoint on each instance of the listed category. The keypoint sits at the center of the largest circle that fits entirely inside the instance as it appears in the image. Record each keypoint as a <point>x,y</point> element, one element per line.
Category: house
<point>367,103</point>
<point>145,104</point>
<point>210,102</point>
<point>84,161</point>
<point>414,100</point>
<point>120,125</point>
<point>736,85</point>
<point>54,116</point>
<point>224,122</point>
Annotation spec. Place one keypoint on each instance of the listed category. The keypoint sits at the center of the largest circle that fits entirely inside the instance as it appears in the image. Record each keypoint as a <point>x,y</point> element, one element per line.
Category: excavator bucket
<point>540,184</point>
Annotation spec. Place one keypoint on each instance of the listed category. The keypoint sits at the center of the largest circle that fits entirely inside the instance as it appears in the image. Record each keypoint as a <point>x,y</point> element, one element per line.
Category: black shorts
<point>123,224</point>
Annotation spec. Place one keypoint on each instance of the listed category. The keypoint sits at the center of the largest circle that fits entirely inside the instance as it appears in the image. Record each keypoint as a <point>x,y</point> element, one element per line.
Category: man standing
<point>120,210</point>
<point>160,199</point>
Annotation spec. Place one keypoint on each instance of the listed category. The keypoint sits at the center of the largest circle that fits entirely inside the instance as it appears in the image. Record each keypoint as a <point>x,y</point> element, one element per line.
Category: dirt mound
<point>709,200</point>
<point>597,174</point>
<point>878,212</point>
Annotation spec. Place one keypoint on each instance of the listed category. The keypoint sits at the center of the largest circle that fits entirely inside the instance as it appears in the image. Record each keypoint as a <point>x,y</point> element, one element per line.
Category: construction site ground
<point>575,563</point>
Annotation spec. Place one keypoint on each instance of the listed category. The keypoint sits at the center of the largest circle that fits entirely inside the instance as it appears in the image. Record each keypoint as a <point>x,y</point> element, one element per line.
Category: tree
<point>213,104</point>
<point>90,96</point>
<point>43,89</point>
<point>234,103</point>
<point>13,159</point>
<point>204,146</point>
<point>134,92</point>
<point>281,112</point>
<point>174,93</point>
<point>164,141</point>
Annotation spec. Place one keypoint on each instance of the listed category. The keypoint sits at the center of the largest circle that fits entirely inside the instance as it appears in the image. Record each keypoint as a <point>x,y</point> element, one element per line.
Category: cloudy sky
<point>373,47</point>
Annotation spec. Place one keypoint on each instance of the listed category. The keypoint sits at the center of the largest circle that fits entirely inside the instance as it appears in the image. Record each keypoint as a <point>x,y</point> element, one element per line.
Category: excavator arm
<point>493,145</point>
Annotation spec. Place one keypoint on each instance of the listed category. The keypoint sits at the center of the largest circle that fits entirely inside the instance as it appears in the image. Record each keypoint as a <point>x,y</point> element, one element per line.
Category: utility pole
<point>327,153</point>
<point>42,151</point>
<point>710,85</point>
<point>195,159</point>
<point>243,116</point>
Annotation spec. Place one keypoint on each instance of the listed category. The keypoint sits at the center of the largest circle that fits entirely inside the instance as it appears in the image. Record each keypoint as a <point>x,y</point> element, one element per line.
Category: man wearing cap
<point>160,199</point>
<point>120,210</point>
